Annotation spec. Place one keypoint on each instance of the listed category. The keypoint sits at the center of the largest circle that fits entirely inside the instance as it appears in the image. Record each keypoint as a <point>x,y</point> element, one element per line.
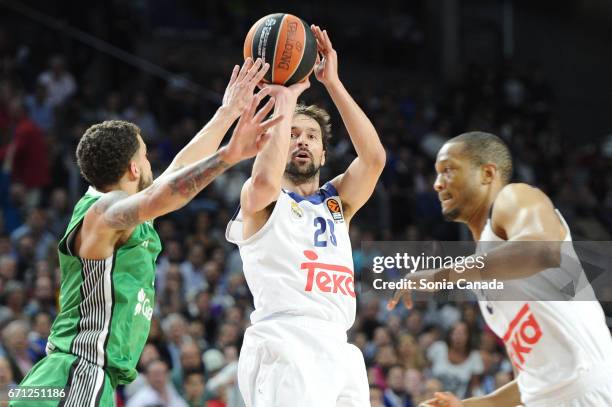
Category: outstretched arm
<point>238,95</point>
<point>119,211</point>
<point>356,185</point>
<point>263,187</point>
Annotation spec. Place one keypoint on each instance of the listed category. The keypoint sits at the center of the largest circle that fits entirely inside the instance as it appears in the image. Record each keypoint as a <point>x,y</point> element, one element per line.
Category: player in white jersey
<point>294,243</point>
<point>561,350</point>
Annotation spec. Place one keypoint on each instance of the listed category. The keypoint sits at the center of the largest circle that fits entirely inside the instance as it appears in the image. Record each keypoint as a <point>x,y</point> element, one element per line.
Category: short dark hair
<point>321,116</point>
<point>483,148</point>
<point>105,150</point>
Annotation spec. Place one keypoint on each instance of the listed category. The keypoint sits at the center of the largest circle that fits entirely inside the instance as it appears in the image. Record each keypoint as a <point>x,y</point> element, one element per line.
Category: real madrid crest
<point>296,211</point>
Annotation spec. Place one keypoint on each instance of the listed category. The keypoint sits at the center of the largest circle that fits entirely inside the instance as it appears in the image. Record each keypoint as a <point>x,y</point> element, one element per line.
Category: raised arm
<point>263,187</point>
<point>121,211</point>
<point>236,99</point>
<point>356,185</point>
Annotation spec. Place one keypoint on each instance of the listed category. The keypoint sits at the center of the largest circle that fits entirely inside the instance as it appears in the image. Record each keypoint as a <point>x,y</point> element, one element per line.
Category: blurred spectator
<point>453,361</point>
<point>59,212</point>
<point>40,108</point>
<point>410,353</point>
<point>396,395</point>
<point>14,302</point>
<point>139,114</point>
<point>193,269</point>
<point>191,360</point>
<point>41,327</point>
<point>158,391</point>
<point>30,164</point>
<point>176,333</point>
<point>194,388</point>
<point>44,298</point>
<point>36,228</point>
<point>6,375</point>
<point>59,82</point>
<point>15,341</point>
<point>149,354</point>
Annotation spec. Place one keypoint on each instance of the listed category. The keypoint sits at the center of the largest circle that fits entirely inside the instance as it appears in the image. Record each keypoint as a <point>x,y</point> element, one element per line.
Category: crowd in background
<point>203,302</point>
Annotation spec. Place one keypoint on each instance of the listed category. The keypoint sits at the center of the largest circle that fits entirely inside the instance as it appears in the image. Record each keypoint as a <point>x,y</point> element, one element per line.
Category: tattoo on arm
<point>117,215</point>
<point>122,211</point>
<point>191,180</point>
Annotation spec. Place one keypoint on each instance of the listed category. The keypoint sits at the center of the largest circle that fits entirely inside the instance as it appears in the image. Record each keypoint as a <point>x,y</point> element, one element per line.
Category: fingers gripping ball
<point>286,43</point>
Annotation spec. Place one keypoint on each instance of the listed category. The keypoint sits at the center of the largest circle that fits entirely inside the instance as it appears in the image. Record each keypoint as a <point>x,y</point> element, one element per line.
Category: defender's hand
<point>250,134</point>
<point>416,277</point>
<point>325,69</point>
<point>239,91</point>
<point>444,399</point>
<point>290,92</point>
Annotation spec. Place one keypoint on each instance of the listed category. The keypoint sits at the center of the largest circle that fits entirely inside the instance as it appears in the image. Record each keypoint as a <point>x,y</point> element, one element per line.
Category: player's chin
<point>451,214</point>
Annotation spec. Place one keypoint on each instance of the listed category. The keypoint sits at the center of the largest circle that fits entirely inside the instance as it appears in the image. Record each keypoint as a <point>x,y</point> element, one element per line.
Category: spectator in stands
<point>190,360</point>
<point>14,300</point>
<point>59,212</point>
<point>30,159</point>
<point>396,395</point>
<point>59,82</point>
<point>36,228</point>
<point>194,388</point>
<point>16,346</point>
<point>44,298</point>
<point>6,376</point>
<point>40,108</point>
<point>149,354</point>
<point>453,361</point>
<point>158,391</point>
<point>41,327</point>
<point>176,333</point>
<point>139,114</point>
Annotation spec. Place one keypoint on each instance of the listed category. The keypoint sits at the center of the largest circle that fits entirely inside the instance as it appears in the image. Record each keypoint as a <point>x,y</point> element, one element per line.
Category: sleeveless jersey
<point>554,345</point>
<point>106,305</point>
<point>300,262</point>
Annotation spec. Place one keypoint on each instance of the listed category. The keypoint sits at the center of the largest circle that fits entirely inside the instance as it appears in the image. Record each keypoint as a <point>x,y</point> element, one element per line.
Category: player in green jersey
<point>107,255</point>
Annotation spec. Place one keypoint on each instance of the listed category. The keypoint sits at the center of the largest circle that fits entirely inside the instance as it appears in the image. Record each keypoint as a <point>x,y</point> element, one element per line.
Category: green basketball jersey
<point>106,305</point>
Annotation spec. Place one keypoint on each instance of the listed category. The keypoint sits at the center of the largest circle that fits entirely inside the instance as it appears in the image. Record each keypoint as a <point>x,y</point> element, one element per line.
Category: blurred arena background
<point>535,73</point>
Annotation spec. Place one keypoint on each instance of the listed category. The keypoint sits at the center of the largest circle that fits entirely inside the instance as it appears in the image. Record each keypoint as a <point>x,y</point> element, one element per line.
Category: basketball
<point>286,43</point>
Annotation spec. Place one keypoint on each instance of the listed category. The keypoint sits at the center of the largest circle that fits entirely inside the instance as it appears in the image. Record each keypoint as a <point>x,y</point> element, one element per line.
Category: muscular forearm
<point>270,162</point>
<point>166,194</point>
<point>361,130</point>
<point>506,396</point>
<point>206,141</point>
<point>511,260</point>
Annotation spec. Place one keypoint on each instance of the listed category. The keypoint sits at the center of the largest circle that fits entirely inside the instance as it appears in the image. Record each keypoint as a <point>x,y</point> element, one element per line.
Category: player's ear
<point>323,159</point>
<point>134,171</point>
<point>488,172</point>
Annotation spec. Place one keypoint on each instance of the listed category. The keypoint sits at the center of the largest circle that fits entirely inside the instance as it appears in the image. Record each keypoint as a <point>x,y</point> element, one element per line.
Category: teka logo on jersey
<point>522,335</point>
<point>329,278</point>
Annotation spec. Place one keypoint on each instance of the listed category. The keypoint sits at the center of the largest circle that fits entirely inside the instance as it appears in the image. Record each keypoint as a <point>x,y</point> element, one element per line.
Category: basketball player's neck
<point>301,187</point>
<point>123,185</point>
<point>480,214</point>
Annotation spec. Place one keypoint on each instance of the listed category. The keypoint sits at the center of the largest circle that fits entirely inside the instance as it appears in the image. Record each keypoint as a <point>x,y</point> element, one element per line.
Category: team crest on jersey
<point>296,211</point>
<point>335,209</point>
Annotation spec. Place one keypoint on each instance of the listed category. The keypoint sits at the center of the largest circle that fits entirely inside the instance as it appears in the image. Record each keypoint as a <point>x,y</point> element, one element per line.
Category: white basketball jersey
<point>300,262</point>
<point>553,345</point>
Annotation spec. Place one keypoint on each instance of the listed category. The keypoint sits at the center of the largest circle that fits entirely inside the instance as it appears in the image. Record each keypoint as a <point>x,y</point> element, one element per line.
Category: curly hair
<point>321,116</point>
<point>105,150</point>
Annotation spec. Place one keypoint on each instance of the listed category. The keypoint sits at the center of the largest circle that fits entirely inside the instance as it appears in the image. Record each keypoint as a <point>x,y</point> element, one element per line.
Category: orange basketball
<point>286,43</point>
